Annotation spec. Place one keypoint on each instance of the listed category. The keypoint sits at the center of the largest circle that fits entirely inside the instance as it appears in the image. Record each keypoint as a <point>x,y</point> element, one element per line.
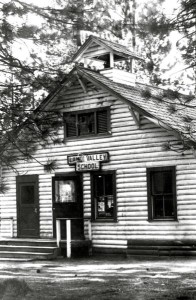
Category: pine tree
<point>183,22</point>
<point>49,42</point>
<point>24,81</point>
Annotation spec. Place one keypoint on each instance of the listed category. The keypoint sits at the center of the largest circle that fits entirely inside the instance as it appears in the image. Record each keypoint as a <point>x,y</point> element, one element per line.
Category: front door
<point>68,204</point>
<point>27,206</point>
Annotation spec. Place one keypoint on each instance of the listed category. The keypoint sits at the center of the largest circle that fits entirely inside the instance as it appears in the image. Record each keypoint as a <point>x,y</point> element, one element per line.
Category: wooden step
<point>27,255</point>
<point>29,242</point>
<point>152,242</point>
<point>78,248</point>
<point>161,248</point>
<point>22,248</point>
<point>28,249</point>
<point>32,249</point>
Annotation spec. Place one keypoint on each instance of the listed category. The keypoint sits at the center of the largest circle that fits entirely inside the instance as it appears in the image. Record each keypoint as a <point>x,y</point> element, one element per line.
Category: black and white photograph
<point>98,149</point>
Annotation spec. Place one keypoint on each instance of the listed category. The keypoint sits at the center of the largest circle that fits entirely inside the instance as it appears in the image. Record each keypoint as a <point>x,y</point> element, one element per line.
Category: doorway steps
<point>27,249</point>
<point>161,248</point>
<point>79,248</point>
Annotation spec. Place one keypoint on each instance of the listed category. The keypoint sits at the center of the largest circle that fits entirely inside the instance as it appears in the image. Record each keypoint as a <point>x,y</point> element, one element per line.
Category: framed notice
<point>101,206</point>
<point>65,191</point>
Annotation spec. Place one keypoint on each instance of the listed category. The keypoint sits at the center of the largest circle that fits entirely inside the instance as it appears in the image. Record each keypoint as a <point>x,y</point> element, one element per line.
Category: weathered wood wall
<point>131,150</point>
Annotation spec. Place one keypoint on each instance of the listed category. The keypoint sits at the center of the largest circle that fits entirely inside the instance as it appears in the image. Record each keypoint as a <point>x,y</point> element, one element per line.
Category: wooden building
<point>115,165</point>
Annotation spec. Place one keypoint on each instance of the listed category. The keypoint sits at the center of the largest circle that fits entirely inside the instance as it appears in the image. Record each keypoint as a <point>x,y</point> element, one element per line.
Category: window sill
<point>163,220</point>
<point>104,221</point>
<point>87,137</point>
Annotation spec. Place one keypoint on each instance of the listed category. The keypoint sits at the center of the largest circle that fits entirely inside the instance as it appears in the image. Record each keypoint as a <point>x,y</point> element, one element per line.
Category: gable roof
<point>116,48</point>
<point>179,114</point>
<point>175,114</point>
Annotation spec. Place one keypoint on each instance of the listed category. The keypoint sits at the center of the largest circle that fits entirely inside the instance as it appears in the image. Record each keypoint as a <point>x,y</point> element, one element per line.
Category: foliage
<point>47,37</point>
<point>24,136</point>
<point>154,43</point>
<point>36,47</point>
<point>183,23</point>
<point>146,93</point>
<point>3,187</point>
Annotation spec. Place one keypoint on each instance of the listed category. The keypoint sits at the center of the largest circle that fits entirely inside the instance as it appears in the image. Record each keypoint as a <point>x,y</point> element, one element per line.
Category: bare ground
<point>102,278</point>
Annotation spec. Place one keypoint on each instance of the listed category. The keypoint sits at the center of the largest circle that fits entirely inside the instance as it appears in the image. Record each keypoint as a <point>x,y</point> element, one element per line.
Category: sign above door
<point>86,162</point>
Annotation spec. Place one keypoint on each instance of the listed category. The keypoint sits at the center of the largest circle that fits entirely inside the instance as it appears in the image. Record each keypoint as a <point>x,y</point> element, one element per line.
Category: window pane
<point>99,185</point>
<point>105,206</point>
<point>27,194</point>
<point>109,184</point>
<point>65,191</point>
<point>86,123</point>
<point>169,207</point>
<point>158,206</point>
<point>109,206</point>
<point>100,206</point>
<point>167,178</point>
<point>157,183</point>
<point>104,196</point>
<point>162,182</point>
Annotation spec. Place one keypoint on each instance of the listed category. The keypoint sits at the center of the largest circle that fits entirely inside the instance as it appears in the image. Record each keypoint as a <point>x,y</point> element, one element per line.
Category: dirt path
<point>99,278</point>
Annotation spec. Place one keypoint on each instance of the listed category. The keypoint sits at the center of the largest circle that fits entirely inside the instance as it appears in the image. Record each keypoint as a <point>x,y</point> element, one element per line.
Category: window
<point>27,193</point>
<point>86,123</point>
<point>65,191</point>
<point>162,193</point>
<point>103,196</point>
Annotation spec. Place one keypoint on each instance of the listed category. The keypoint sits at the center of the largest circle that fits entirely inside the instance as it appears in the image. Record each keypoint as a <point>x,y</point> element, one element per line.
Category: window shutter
<point>70,125</point>
<point>102,121</point>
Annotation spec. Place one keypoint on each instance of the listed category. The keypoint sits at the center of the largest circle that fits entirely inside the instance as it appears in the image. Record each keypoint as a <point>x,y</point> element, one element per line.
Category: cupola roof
<point>98,49</point>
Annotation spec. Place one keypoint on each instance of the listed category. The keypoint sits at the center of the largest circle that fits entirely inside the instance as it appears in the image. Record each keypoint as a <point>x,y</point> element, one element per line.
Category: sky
<point>169,5</point>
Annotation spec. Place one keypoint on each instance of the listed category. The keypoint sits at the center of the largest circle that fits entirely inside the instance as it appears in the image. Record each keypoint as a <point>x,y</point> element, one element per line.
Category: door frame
<point>22,179</point>
<point>69,175</point>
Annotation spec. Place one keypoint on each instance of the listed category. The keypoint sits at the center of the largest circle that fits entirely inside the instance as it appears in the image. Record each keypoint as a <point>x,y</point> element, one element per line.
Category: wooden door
<point>68,203</point>
<point>27,206</point>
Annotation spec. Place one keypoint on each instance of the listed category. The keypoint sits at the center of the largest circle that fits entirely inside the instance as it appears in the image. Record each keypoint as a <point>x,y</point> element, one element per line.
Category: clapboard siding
<point>132,150</point>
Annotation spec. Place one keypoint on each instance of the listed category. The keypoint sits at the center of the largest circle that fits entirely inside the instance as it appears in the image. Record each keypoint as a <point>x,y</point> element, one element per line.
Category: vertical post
<point>68,228</point>
<point>11,227</point>
<point>79,22</point>
<point>58,232</point>
<point>85,63</point>
<point>133,26</point>
<point>111,60</point>
<point>89,230</point>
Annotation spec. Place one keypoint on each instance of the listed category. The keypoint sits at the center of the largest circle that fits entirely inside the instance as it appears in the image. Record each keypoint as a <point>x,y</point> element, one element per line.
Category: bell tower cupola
<point>112,60</point>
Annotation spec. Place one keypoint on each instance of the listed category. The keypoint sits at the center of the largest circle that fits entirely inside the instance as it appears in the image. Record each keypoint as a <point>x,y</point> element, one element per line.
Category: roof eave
<point>81,50</point>
<point>92,39</point>
<point>129,103</point>
<point>64,82</point>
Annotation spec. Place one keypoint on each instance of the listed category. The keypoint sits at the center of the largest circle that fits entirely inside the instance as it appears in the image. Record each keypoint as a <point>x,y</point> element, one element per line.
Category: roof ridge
<point>138,84</point>
<point>117,44</point>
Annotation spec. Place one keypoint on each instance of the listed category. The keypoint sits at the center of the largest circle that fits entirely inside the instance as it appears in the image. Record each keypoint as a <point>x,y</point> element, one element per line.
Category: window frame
<point>150,171</point>
<point>86,111</point>
<point>93,204</point>
<point>72,176</point>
